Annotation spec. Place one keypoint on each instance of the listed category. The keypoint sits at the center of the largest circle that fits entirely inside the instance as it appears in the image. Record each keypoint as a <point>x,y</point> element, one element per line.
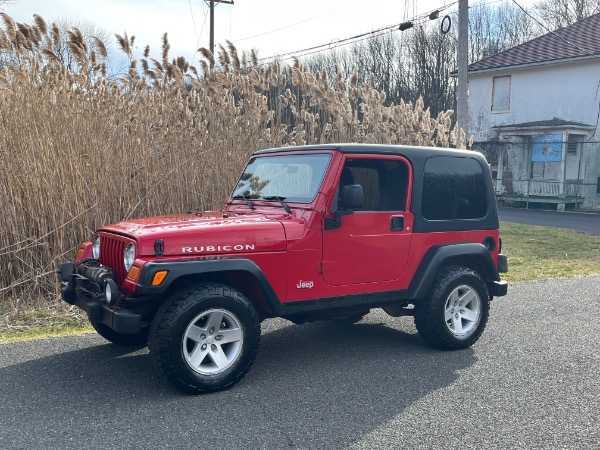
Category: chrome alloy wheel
<point>212,341</point>
<point>462,311</point>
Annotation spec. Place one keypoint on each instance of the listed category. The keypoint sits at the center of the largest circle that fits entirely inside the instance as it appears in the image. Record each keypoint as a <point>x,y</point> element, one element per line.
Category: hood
<point>208,234</point>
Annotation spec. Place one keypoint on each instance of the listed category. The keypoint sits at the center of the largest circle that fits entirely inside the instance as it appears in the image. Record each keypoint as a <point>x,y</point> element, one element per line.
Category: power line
<point>481,4</point>
<point>202,29</point>
<point>335,45</point>
<point>193,21</point>
<point>327,46</point>
<point>346,41</point>
<point>287,26</point>
<point>198,37</point>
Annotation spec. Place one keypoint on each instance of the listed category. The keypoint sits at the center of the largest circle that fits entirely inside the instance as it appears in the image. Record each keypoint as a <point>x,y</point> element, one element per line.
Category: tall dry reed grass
<point>78,149</point>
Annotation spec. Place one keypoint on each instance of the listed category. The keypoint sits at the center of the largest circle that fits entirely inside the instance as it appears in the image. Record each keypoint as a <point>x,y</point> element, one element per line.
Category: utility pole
<point>211,4</point>
<point>463,61</point>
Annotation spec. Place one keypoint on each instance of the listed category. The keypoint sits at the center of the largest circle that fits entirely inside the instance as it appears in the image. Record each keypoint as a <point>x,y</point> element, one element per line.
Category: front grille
<point>112,249</point>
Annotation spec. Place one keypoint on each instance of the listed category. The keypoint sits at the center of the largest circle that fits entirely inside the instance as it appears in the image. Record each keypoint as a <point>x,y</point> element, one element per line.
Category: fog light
<point>111,292</point>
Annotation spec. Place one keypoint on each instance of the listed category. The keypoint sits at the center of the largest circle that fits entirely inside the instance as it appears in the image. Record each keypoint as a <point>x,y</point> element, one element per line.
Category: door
<point>371,244</point>
<point>573,169</point>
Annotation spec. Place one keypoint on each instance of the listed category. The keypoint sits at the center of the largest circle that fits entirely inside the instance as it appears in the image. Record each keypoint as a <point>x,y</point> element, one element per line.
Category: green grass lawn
<point>534,253</point>
<point>42,323</point>
<point>538,253</point>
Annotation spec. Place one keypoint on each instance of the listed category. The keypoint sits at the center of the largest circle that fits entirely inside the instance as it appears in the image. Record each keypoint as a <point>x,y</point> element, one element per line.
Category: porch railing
<point>544,188</point>
<point>530,190</point>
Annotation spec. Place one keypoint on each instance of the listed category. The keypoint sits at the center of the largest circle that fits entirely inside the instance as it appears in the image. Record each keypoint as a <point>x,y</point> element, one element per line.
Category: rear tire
<point>205,338</point>
<point>455,313</point>
<point>111,335</point>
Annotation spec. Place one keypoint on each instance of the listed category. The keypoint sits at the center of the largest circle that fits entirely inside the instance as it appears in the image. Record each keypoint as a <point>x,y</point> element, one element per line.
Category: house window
<point>573,144</point>
<point>501,94</point>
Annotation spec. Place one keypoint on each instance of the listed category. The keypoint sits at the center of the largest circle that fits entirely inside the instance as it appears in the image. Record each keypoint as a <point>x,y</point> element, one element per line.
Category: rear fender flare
<point>479,257</point>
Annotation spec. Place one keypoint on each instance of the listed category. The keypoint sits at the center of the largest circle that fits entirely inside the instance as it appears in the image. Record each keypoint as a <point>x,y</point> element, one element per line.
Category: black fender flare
<point>437,255</point>
<point>179,268</point>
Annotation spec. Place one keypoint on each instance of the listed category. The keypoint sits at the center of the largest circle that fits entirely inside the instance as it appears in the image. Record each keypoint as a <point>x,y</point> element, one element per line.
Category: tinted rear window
<point>453,189</point>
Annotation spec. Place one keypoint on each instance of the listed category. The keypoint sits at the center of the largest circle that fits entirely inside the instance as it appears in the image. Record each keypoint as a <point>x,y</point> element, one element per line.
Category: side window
<point>453,188</point>
<point>384,182</point>
<point>368,178</point>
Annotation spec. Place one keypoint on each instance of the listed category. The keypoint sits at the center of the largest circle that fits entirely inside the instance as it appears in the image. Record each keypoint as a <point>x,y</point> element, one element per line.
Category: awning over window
<point>548,127</point>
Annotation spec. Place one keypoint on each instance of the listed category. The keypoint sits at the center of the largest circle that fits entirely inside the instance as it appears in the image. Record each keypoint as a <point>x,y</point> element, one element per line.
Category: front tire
<point>455,313</point>
<point>205,338</point>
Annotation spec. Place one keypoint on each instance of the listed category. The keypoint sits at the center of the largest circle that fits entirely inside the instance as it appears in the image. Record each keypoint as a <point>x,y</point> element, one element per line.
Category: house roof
<point>578,41</point>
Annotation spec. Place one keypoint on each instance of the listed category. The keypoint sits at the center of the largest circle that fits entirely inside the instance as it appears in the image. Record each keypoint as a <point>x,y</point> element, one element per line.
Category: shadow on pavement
<point>312,386</point>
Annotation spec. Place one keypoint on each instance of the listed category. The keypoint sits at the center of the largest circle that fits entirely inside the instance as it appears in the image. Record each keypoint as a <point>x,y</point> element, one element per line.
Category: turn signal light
<point>133,272</point>
<point>159,277</point>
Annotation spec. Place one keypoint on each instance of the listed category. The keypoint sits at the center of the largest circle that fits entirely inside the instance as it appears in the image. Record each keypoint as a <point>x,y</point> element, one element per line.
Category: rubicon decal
<point>218,248</point>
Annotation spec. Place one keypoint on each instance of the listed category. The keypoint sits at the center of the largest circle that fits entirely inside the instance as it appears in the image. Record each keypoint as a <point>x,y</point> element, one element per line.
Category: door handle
<point>397,223</point>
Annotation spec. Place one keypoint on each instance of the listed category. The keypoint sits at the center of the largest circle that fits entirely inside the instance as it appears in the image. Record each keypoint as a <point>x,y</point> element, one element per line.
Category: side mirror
<point>352,196</point>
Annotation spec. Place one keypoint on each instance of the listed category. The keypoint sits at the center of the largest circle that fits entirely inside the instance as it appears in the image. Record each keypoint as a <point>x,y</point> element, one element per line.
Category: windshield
<point>293,178</point>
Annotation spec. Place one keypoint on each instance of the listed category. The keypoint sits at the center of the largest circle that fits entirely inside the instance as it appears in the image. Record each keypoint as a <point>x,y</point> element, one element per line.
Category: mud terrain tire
<point>455,313</point>
<point>205,338</point>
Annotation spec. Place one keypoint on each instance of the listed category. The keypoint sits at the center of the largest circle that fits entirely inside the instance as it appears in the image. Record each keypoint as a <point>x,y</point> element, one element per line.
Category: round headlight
<point>96,247</point>
<point>129,256</point>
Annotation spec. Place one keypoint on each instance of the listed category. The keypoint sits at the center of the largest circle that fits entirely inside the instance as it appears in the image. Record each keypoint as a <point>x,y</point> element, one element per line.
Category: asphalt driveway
<point>532,381</point>
<point>577,221</point>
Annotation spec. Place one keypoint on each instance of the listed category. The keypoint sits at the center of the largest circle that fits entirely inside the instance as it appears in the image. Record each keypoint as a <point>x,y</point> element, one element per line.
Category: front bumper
<point>84,287</point>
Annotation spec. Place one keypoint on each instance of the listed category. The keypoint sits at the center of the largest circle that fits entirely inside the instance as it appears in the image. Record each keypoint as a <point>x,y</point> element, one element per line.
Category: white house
<point>535,109</point>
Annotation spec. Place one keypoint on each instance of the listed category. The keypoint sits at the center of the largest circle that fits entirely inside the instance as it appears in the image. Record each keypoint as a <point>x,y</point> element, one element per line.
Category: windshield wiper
<point>246,199</point>
<point>280,200</point>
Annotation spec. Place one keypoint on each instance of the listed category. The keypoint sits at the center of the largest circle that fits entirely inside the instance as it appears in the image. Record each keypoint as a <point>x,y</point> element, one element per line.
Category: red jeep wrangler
<point>310,233</point>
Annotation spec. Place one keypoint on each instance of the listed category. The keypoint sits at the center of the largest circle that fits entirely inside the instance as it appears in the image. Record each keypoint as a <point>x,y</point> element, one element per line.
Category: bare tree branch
<point>557,14</point>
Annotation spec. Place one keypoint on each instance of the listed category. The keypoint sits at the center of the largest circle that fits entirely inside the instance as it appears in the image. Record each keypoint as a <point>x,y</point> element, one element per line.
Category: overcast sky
<point>270,26</point>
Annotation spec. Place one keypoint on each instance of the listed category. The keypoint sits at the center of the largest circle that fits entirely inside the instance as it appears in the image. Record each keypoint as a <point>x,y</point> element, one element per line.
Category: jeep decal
<point>217,248</point>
